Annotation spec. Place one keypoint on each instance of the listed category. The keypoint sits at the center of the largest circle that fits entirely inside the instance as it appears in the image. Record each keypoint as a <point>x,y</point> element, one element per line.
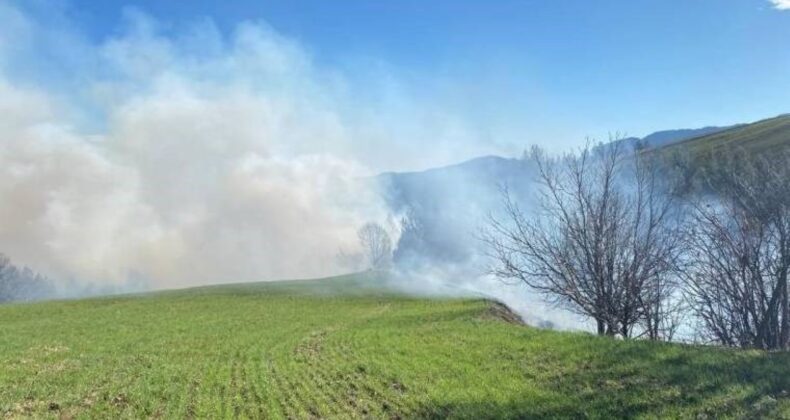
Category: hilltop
<point>349,347</point>
<point>758,137</point>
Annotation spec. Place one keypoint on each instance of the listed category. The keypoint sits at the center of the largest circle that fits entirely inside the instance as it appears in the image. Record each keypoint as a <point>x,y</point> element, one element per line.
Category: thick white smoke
<point>179,160</point>
<point>169,156</point>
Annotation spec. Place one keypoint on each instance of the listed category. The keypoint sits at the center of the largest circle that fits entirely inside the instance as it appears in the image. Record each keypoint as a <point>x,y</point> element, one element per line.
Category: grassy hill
<point>347,347</point>
<point>761,136</point>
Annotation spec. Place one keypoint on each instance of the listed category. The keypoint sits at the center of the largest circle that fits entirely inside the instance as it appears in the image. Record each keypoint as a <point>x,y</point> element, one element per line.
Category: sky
<point>514,72</point>
<point>174,143</point>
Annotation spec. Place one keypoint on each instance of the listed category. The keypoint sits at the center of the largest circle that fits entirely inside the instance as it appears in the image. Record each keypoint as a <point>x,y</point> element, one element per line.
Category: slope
<point>758,137</point>
<point>331,349</point>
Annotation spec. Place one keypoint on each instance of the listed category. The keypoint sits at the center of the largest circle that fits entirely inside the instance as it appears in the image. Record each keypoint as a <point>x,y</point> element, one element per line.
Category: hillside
<point>761,136</point>
<point>666,137</point>
<point>451,203</point>
<point>347,347</point>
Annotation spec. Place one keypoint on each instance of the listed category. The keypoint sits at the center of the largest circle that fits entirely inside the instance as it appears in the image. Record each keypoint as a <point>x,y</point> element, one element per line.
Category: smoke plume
<point>166,160</point>
<point>170,155</point>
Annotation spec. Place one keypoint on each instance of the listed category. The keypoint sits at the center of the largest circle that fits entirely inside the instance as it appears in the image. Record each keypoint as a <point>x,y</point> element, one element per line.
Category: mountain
<point>452,203</point>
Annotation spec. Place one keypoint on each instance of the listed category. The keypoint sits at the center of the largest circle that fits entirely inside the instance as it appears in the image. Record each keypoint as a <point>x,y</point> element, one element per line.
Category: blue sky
<point>519,72</point>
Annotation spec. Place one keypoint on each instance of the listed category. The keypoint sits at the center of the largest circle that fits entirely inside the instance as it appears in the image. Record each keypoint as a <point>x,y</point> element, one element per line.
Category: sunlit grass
<point>766,136</point>
<point>335,349</point>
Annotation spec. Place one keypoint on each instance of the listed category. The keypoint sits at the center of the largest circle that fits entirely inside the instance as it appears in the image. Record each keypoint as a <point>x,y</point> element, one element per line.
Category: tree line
<point>21,283</point>
<point>643,243</point>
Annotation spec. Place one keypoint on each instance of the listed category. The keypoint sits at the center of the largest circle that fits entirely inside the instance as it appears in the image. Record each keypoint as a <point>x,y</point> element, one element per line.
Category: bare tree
<point>412,226</point>
<point>740,258</point>
<point>21,283</point>
<point>412,249</point>
<point>664,310</point>
<point>602,241</point>
<point>8,279</point>
<point>376,245</point>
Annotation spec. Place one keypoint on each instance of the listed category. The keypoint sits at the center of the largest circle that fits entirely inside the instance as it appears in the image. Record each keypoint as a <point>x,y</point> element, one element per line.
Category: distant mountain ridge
<point>449,203</point>
<point>760,136</point>
<point>663,138</point>
<point>452,202</point>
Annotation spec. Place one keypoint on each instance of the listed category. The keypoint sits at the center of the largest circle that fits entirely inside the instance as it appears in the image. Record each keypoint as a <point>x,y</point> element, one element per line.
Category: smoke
<point>174,155</point>
<point>447,210</point>
<point>470,280</point>
<point>172,160</point>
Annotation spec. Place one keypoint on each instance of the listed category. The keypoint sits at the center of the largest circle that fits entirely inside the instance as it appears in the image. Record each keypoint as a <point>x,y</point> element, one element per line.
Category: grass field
<point>763,136</point>
<point>342,347</point>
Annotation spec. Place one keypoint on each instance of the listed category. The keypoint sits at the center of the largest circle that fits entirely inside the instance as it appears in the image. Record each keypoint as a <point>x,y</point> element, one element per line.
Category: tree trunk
<point>784,329</point>
<point>611,329</point>
<point>601,326</point>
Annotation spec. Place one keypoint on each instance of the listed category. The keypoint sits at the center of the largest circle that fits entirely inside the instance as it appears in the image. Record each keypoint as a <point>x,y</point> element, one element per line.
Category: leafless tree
<point>663,306</point>
<point>740,252</point>
<point>412,225</point>
<point>412,249</point>
<point>376,245</point>
<point>8,279</point>
<point>603,241</point>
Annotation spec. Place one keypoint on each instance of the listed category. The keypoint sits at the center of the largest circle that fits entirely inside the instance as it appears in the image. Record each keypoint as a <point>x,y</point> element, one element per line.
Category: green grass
<point>759,137</point>
<point>344,347</point>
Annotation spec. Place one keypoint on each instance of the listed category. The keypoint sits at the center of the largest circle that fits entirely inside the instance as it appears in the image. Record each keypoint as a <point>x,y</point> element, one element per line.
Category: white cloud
<point>781,4</point>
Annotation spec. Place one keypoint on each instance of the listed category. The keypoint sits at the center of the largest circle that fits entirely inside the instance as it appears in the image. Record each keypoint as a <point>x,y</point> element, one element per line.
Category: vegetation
<point>376,246</point>
<point>21,283</point>
<point>602,240</point>
<point>763,136</point>
<point>739,253</point>
<point>347,347</point>
<point>634,244</point>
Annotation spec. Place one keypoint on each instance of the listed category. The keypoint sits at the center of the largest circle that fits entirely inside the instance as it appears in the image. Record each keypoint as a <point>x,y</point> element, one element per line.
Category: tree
<point>740,258</point>
<point>21,283</point>
<point>412,249</point>
<point>376,245</point>
<point>8,279</point>
<point>603,239</point>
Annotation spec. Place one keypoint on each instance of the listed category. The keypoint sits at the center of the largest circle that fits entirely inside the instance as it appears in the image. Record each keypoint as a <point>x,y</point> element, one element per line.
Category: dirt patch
<point>23,408</point>
<point>398,386</point>
<point>119,400</point>
<point>47,350</point>
<point>310,348</point>
<point>500,311</point>
<point>89,400</point>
